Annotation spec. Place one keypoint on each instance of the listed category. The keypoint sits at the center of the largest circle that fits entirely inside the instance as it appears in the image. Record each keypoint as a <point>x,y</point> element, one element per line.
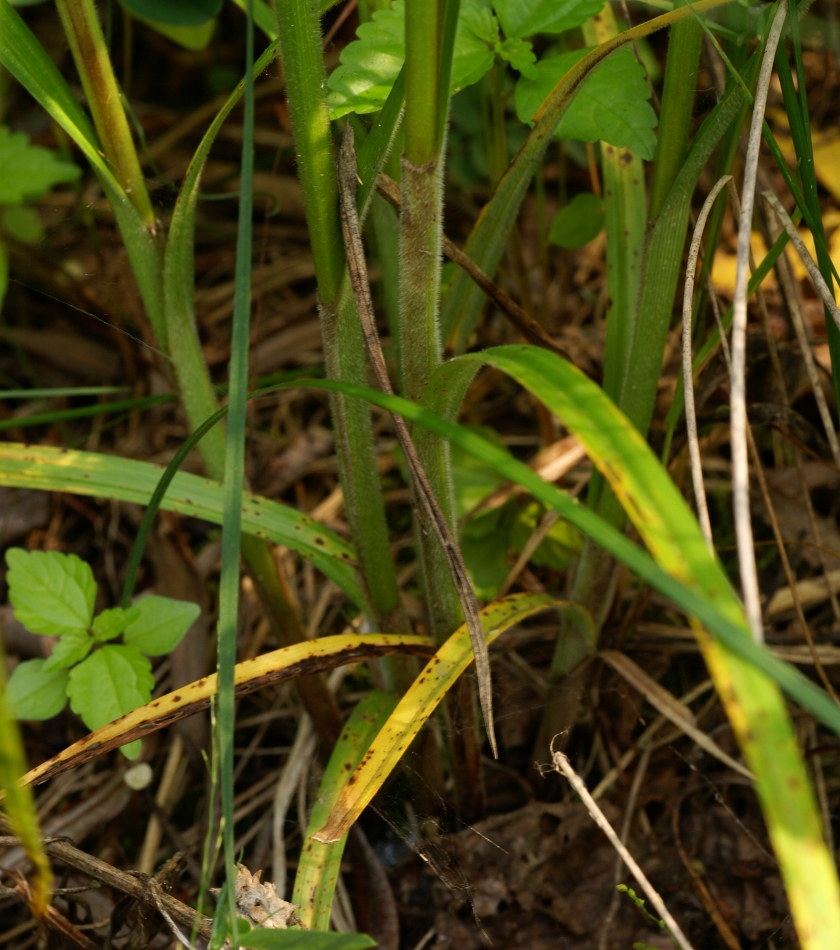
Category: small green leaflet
<point>371,63</point>
<point>108,684</point>
<point>51,593</point>
<point>29,171</point>
<point>71,648</point>
<point>527,17</point>
<point>111,623</point>
<point>578,222</point>
<point>160,624</point>
<point>36,693</point>
<point>611,106</point>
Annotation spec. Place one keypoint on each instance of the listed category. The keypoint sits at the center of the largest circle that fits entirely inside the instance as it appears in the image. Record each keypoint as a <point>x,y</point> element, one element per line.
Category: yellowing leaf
<point>418,704</point>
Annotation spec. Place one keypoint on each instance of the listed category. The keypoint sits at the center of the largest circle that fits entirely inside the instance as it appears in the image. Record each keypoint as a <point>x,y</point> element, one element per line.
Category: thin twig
<point>429,509</point>
<point>629,812</point>
<point>738,422</point>
<point>703,892</point>
<point>762,481</point>
<point>526,324</point>
<point>562,764</point>
<point>688,377</point>
<point>791,293</point>
<point>135,885</point>
<point>817,280</point>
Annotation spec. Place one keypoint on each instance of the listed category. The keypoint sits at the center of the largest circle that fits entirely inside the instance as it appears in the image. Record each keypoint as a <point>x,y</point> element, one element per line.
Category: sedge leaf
<point>611,106</point>
<point>29,171</point>
<point>71,648</point>
<point>160,624</point>
<point>52,593</point>
<point>36,693</point>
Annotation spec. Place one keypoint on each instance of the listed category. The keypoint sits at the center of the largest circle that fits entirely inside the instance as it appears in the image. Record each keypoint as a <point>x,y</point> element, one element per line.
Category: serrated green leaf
<point>611,106</point>
<point>71,648</point>
<point>578,222</point>
<point>526,17</point>
<point>111,623</point>
<point>21,224</point>
<point>372,62</point>
<point>480,19</point>
<point>161,624</point>
<point>109,683</point>
<point>35,693</point>
<point>520,54</point>
<point>29,171</point>
<point>52,593</point>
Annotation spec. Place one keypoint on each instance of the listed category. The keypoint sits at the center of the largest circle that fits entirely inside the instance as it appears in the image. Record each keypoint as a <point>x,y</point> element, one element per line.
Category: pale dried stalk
<point>791,293</point>
<point>820,285</point>
<point>303,749</point>
<point>738,423</point>
<point>562,764</point>
<point>688,376</point>
<point>629,812</point>
<point>301,755</point>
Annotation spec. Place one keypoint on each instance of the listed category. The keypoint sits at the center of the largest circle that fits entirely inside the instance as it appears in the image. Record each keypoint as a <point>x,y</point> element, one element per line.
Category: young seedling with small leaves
<point>53,594</point>
<point>26,172</point>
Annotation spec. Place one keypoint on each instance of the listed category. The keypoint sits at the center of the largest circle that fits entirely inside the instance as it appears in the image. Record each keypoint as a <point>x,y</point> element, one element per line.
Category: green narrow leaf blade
<point>415,707</point>
<point>19,802</point>
<point>320,864</point>
<point>87,473</point>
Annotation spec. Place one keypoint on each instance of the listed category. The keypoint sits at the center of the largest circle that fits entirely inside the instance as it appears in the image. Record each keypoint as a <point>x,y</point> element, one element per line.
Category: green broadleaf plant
<point>53,594</point>
<point>612,105</point>
<point>26,172</point>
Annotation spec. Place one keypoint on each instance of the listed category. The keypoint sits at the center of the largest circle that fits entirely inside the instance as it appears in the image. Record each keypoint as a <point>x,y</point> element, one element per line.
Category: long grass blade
<point>47,468</point>
<point>268,669</point>
<point>234,483</point>
<point>320,863</point>
<point>19,803</point>
<point>716,620</point>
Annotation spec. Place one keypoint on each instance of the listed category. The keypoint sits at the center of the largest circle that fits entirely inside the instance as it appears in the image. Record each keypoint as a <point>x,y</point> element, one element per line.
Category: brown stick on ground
<point>134,885</point>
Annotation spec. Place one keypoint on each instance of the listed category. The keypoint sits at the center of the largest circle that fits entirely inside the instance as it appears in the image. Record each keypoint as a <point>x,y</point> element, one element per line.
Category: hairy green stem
<point>344,352</point>
<point>420,260</point>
